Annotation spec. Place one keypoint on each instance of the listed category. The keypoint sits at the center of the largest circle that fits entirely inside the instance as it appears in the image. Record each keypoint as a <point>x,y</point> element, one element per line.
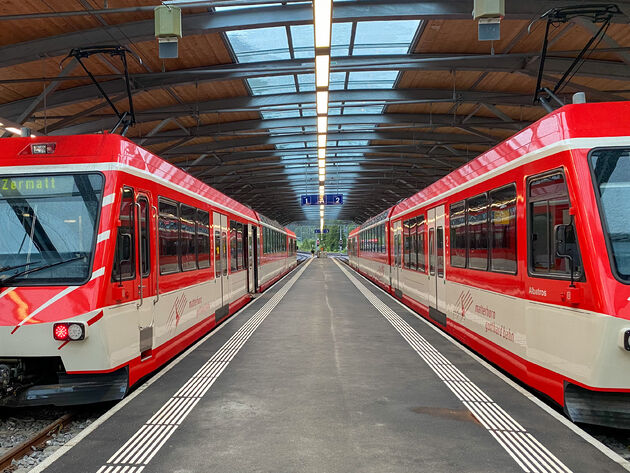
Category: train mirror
<point>565,241</point>
<point>124,242</point>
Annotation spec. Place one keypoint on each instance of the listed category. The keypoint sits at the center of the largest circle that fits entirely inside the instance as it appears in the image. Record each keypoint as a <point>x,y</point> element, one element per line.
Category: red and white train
<point>112,261</point>
<point>523,254</point>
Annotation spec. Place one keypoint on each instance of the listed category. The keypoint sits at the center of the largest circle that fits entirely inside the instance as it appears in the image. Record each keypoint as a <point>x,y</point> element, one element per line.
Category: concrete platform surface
<point>326,373</point>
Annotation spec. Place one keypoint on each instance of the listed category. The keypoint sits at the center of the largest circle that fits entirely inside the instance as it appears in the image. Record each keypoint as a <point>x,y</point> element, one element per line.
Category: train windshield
<point>611,174</point>
<point>48,225</point>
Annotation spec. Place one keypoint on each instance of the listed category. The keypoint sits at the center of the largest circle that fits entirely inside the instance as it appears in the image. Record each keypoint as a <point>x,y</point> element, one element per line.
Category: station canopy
<point>413,93</point>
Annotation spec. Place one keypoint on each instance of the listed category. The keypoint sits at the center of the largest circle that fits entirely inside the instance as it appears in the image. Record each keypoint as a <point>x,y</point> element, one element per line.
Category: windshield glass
<point>48,222</point>
<point>611,171</point>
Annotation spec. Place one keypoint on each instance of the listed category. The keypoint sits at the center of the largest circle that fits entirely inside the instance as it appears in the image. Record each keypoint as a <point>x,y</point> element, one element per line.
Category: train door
<point>437,270</point>
<point>219,224</point>
<point>134,281</point>
<point>397,260</point>
<point>147,278</point>
<point>252,269</point>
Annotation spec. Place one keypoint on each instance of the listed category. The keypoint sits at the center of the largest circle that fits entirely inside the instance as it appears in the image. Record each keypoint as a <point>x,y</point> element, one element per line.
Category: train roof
<point>110,148</point>
<point>590,120</point>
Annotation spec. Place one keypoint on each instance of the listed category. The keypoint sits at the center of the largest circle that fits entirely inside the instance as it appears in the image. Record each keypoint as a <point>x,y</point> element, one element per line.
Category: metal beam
<point>357,97</point>
<point>204,23</point>
<point>487,63</point>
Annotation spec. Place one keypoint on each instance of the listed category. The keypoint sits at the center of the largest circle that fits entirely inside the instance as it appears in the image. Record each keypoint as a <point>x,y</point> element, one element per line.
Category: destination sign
<point>26,186</point>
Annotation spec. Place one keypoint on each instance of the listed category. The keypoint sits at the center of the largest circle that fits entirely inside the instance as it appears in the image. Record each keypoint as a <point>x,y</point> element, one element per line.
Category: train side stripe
<point>6,291</point>
<point>103,236</point>
<point>108,200</point>
<point>523,447</point>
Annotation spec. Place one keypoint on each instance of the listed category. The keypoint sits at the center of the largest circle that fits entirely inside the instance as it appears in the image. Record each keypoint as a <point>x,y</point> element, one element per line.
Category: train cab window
<point>477,220</point>
<point>187,245</point>
<point>145,235</point>
<point>421,231</point>
<point>168,227</point>
<point>124,257</point>
<point>611,176</point>
<point>548,206</point>
<point>458,234</point>
<point>203,239</point>
<point>503,229</point>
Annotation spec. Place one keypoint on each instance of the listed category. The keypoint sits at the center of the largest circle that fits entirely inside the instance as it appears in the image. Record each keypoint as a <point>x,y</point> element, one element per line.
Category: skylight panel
<point>353,143</point>
<point>340,41</point>
<point>302,38</point>
<point>372,79</point>
<point>271,85</point>
<point>337,81</point>
<point>242,7</point>
<point>362,109</point>
<point>260,44</point>
<point>290,145</point>
<point>285,111</point>
<point>384,37</point>
<point>306,82</point>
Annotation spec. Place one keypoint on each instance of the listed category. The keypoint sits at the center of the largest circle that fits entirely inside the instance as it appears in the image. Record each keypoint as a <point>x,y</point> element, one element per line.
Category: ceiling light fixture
<point>322,70</point>
<point>321,141</point>
<point>322,15</point>
<point>322,124</point>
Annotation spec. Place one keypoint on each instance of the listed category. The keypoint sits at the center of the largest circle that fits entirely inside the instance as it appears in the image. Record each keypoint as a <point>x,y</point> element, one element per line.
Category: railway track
<point>34,442</point>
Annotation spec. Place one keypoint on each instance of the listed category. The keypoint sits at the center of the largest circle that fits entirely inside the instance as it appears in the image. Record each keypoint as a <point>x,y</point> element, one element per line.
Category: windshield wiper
<point>9,268</point>
<point>46,266</point>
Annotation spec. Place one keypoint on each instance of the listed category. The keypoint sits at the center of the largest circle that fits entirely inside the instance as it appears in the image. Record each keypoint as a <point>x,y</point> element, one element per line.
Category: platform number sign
<point>329,199</point>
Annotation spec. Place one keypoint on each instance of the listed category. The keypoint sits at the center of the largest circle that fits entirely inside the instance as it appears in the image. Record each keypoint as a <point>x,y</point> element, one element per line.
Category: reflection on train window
<point>477,218</point>
<point>611,173</point>
<point>432,251</point>
<point>421,231</point>
<point>458,234</point>
<point>440,252</point>
<point>548,206</point>
<point>168,226</point>
<point>503,231</point>
<point>233,247</point>
<point>124,267</point>
<point>187,237</point>
<point>203,239</point>
<point>145,231</point>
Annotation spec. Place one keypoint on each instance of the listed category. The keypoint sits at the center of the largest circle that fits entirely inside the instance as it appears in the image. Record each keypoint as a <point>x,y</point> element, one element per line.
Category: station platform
<point>326,373</point>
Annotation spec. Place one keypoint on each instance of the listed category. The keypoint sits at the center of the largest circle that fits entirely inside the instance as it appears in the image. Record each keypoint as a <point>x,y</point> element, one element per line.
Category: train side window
<point>203,239</point>
<point>233,247</point>
<point>458,234</point>
<point>218,263</point>
<point>239,246</point>
<point>145,232</point>
<point>187,242</point>
<point>168,227</point>
<point>548,206</point>
<point>406,244</point>
<point>503,229</point>
<point>413,251</point>
<point>432,251</point>
<point>477,230</point>
<point>124,266</point>
<point>421,229</point>
<point>440,251</point>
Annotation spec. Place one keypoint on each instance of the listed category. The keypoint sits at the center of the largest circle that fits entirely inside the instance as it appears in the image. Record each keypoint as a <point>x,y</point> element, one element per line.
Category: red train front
<point>111,262</point>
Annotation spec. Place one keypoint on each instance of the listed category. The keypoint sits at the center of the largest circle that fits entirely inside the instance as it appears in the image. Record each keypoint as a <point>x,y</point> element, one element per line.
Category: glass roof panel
<point>340,39</point>
<point>306,82</point>
<point>302,37</point>
<point>272,85</point>
<point>235,7</point>
<point>260,44</point>
<point>362,109</point>
<point>353,143</point>
<point>337,81</point>
<point>384,37</point>
<point>372,79</point>
<point>290,145</point>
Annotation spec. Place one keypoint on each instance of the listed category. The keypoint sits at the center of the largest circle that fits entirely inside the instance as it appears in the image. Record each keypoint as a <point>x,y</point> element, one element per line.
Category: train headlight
<point>65,331</point>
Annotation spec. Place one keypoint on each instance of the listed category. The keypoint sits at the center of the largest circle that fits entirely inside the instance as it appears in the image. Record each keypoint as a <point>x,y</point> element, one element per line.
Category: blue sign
<point>329,199</point>
<point>326,230</point>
